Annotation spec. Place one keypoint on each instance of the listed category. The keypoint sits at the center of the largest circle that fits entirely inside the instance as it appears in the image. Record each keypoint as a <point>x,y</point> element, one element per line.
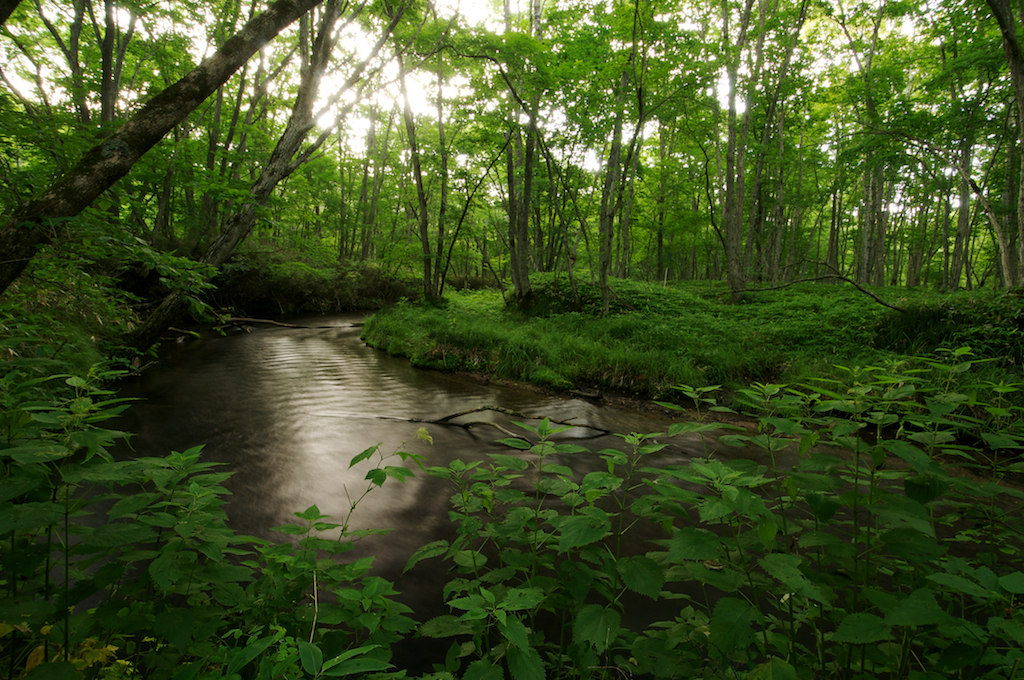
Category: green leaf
<point>444,626</point>
<point>1001,441</point>
<point>311,656</point>
<point>959,584</point>
<point>310,514</point>
<point>525,664</point>
<point>691,543</point>
<point>112,535</point>
<point>918,609</point>
<point>861,628</point>
<point>590,526</point>
<point>912,545</point>
<point>483,669</point>
<point>680,428</point>
<point>730,628</point>
<point>518,599</point>
<point>641,575</point>
<point>918,459</point>
<point>469,559</point>
<point>189,671</point>
<point>432,549</point>
<point>365,455</point>
<point>398,472</point>
<point>511,462</point>
<point>360,666</point>
<point>515,443</point>
<point>60,670</point>
<point>823,507</point>
<point>924,488</point>
<point>291,529</point>
<point>176,626</point>
<point>169,567</point>
<point>515,632</point>
<point>248,653</point>
<point>1013,583</point>
<point>597,626</point>
<point>14,487</point>
<point>31,454</point>
<point>773,669</point>
<point>767,529</point>
<point>786,568</point>
<point>345,656</point>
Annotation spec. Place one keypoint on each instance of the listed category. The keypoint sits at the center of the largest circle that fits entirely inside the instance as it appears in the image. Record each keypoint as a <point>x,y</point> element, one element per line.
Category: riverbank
<point>683,343</point>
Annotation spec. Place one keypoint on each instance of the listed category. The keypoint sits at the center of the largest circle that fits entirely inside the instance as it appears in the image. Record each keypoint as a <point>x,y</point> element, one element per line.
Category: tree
<point>1003,12</point>
<point>32,224</point>
<point>288,154</point>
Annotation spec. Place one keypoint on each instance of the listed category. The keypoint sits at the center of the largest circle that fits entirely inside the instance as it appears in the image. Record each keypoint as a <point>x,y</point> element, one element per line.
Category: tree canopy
<point>759,142</point>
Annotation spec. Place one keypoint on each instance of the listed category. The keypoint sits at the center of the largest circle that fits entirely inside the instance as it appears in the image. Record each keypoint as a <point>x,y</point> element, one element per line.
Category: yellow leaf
<point>34,659</point>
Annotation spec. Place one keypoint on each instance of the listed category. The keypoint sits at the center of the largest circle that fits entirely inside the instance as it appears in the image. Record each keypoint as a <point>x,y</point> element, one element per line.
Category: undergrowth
<point>659,336</point>
<point>887,546</point>
<point>890,549</point>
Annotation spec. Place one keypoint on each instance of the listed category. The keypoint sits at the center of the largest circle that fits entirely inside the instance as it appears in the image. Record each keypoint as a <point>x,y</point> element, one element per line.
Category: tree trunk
<point>734,159</point>
<point>30,226</point>
<point>7,8</point>
<point>963,219</point>
<point>1003,12</point>
<point>422,217</point>
<point>442,208</point>
<point>609,193</point>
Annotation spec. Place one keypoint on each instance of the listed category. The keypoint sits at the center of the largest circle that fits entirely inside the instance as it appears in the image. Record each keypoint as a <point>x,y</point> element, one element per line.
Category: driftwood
<point>447,420</point>
<point>242,319</point>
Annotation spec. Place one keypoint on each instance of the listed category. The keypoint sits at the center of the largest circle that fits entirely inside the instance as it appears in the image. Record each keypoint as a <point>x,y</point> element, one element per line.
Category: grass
<point>658,337</point>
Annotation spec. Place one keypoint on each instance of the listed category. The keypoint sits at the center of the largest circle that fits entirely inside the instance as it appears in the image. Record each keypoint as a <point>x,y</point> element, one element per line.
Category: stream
<point>286,409</point>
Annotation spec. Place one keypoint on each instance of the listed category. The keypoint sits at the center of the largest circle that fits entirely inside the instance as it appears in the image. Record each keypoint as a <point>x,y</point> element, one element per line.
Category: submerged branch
<point>235,320</point>
<point>447,420</point>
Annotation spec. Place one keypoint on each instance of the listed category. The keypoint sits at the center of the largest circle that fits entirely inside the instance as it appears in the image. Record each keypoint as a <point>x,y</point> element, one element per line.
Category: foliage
<point>657,336</point>
<point>875,533</point>
<point>993,325</point>
<point>861,560</point>
<point>126,568</point>
<point>255,285</point>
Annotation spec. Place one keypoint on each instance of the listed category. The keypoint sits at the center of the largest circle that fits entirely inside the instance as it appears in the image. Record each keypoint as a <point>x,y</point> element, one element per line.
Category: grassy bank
<point>658,338</point>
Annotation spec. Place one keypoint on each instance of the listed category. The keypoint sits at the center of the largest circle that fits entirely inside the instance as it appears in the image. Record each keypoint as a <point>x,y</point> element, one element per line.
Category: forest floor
<point>676,343</point>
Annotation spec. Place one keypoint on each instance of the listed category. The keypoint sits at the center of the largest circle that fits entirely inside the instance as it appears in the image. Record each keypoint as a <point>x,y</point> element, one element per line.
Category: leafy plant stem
<point>316,608</point>
<point>67,572</point>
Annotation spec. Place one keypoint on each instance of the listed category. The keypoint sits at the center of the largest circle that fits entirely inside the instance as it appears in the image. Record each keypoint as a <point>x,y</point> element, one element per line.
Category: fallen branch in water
<point>508,412</point>
<point>235,320</point>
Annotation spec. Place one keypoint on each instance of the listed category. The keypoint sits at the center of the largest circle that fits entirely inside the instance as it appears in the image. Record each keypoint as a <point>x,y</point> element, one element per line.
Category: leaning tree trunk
<point>7,8</point>
<point>32,223</point>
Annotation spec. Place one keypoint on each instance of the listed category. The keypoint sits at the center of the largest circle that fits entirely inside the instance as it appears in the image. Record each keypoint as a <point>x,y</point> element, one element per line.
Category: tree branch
<point>830,277</point>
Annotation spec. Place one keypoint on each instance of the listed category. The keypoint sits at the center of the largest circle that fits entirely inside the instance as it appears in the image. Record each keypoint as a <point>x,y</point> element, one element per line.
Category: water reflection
<point>288,408</point>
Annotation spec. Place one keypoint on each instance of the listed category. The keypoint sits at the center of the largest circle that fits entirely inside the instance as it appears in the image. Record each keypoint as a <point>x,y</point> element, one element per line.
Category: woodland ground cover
<point>660,337</point>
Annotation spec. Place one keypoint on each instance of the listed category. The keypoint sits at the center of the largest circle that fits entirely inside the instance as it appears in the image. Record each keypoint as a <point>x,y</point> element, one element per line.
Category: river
<point>286,409</point>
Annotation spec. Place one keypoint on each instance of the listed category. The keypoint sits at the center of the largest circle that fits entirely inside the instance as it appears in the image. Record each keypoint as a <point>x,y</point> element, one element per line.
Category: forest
<point>798,225</point>
<point>760,143</point>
